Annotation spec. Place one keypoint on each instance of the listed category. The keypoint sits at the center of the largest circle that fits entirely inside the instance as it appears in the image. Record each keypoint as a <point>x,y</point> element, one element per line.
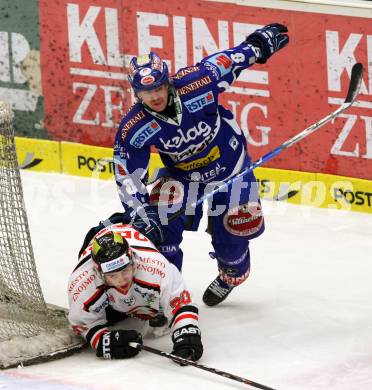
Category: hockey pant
<point>234,218</point>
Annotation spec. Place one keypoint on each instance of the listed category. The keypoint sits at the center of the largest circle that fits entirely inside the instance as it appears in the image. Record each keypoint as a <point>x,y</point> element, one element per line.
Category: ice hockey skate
<point>216,292</point>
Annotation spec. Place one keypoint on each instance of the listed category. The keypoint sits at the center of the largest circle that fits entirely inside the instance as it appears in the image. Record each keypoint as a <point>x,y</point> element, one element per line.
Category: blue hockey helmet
<point>147,72</point>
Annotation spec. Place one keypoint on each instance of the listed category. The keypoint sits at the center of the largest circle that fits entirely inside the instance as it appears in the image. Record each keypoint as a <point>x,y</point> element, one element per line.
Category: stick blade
<point>355,82</point>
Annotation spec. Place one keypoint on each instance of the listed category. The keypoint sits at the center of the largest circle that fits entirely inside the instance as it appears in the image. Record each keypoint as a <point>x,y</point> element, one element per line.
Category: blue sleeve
<point>226,66</point>
<point>131,172</point>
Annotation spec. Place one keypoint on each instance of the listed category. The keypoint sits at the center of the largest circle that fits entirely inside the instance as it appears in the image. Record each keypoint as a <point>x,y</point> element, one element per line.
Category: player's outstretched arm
<point>225,67</point>
<point>182,313</point>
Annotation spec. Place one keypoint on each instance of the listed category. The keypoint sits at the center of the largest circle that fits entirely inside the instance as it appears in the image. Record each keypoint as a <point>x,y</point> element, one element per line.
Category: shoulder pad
<point>188,73</point>
<point>203,81</point>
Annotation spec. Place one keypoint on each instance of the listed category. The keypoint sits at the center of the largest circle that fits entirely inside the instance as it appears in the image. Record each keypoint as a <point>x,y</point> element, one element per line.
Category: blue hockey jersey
<point>202,143</point>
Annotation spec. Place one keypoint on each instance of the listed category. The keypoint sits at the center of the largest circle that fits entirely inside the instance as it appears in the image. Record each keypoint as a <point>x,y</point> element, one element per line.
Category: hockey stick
<point>188,362</point>
<point>353,91</point>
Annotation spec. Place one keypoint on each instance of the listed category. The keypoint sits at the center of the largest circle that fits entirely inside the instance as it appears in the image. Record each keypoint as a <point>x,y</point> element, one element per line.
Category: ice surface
<point>303,320</point>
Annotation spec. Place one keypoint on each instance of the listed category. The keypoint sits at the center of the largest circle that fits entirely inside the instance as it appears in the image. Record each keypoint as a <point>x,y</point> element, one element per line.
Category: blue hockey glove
<point>268,40</point>
<point>115,344</point>
<point>151,226</point>
<point>187,343</point>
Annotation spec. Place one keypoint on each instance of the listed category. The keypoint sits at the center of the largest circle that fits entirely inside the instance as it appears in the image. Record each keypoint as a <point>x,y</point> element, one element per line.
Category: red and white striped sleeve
<point>176,300</point>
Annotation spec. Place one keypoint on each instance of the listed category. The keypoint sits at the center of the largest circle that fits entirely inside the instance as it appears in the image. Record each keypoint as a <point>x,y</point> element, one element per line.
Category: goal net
<point>30,330</point>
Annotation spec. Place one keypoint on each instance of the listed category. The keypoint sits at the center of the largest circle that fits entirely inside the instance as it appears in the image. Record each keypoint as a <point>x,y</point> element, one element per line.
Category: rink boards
<point>305,188</point>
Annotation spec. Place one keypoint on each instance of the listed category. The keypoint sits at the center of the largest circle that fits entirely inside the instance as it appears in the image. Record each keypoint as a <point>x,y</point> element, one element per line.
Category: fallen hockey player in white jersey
<point>121,274</point>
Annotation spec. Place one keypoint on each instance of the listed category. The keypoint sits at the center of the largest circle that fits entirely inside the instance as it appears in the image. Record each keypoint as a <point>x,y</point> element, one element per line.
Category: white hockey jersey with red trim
<point>157,283</point>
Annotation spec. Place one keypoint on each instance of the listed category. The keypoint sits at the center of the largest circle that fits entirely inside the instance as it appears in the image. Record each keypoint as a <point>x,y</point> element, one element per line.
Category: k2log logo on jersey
<point>202,129</point>
<point>202,132</point>
<point>95,42</point>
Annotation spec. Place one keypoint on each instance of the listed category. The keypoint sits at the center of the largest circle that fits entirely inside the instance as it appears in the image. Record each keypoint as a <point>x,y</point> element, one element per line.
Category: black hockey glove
<point>187,343</point>
<point>158,321</point>
<point>268,40</point>
<point>114,344</point>
<point>147,222</point>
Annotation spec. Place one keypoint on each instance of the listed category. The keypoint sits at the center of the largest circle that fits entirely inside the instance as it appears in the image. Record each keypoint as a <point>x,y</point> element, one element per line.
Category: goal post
<point>30,330</point>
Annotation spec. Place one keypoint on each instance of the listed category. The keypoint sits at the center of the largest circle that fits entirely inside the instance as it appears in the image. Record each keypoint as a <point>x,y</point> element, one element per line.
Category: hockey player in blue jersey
<point>200,144</point>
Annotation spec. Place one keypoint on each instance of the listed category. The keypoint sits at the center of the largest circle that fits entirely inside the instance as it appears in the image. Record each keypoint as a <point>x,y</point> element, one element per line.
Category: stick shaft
<point>355,81</point>
<point>200,366</point>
